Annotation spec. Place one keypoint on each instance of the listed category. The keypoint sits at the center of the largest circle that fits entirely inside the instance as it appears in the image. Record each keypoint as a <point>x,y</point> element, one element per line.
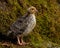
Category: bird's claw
<point>23,44</point>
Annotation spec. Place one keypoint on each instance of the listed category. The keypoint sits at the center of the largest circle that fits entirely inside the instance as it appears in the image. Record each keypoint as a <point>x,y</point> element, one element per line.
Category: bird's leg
<point>23,43</point>
<point>19,40</point>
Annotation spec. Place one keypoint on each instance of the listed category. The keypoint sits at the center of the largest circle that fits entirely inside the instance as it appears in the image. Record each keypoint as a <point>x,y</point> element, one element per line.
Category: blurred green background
<point>46,34</point>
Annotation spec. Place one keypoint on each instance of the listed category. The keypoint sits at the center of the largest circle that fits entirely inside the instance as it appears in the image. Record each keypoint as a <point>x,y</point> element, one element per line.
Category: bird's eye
<point>32,9</point>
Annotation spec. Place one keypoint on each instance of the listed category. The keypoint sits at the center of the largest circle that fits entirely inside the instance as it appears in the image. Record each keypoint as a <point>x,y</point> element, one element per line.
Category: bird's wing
<point>20,25</point>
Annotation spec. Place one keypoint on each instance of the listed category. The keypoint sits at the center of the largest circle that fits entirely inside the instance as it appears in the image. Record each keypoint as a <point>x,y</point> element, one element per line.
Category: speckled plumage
<point>24,25</point>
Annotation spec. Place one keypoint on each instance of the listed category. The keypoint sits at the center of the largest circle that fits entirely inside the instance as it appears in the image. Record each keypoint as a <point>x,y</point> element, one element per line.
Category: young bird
<point>24,25</point>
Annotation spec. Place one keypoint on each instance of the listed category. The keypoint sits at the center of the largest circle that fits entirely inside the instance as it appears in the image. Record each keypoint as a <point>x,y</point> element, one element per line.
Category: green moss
<point>48,20</point>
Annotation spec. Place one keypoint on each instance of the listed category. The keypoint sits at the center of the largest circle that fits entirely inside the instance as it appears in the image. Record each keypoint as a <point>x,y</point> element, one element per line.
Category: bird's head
<point>32,10</point>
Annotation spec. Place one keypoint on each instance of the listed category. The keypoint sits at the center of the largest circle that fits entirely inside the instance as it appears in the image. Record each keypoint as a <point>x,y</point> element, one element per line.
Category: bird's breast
<point>31,24</point>
<point>32,20</point>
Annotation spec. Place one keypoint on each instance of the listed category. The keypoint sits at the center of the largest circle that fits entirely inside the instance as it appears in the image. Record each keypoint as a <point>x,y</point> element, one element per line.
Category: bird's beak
<point>36,10</point>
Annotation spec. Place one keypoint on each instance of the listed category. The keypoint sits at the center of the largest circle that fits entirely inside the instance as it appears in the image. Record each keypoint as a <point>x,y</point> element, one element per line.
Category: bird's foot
<point>23,44</point>
<point>19,43</point>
